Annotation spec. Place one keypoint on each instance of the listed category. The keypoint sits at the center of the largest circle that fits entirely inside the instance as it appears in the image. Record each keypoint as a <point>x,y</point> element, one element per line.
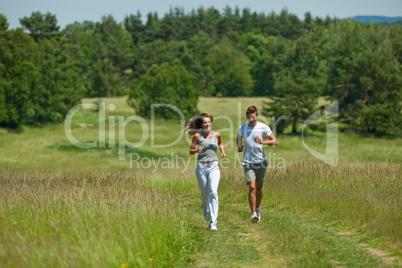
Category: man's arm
<point>240,147</point>
<point>271,142</point>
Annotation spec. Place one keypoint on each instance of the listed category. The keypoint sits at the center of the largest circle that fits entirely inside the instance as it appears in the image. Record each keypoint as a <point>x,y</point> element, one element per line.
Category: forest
<point>45,70</point>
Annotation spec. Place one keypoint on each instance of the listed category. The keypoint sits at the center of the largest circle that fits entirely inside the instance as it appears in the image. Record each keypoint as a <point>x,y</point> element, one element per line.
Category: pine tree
<point>41,26</point>
<point>298,87</point>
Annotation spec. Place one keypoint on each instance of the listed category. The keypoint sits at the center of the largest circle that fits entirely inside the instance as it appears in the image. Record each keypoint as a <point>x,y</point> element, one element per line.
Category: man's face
<point>252,119</point>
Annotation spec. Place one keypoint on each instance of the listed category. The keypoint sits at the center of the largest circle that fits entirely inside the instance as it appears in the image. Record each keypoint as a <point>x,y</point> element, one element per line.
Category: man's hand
<point>240,149</point>
<point>223,155</point>
<point>258,140</point>
<point>200,149</point>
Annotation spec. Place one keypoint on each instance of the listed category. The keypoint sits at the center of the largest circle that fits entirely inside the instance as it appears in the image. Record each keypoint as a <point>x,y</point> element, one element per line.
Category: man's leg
<point>250,177</point>
<point>259,179</point>
<point>258,195</point>
<point>252,195</point>
<point>260,175</point>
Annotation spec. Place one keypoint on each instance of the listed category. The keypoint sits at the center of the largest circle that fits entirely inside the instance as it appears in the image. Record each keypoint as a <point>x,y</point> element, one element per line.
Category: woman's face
<point>206,123</point>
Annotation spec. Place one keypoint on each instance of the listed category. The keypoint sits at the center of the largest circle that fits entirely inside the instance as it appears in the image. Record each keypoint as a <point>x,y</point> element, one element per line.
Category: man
<point>254,162</point>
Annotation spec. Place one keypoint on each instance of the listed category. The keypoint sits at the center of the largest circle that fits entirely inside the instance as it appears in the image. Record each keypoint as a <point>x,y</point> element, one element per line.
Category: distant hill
<point>379,19</point>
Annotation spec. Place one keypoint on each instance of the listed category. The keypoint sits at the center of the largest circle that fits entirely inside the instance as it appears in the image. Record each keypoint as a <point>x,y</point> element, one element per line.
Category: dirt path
<point>282,238</point>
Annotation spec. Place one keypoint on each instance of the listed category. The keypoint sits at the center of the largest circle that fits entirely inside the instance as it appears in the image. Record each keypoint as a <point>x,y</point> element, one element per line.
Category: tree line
<point>45,70</point>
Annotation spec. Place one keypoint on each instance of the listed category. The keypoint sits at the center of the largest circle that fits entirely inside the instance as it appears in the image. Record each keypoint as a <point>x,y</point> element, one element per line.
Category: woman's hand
<point>200,149</point>
<point>223,155</point>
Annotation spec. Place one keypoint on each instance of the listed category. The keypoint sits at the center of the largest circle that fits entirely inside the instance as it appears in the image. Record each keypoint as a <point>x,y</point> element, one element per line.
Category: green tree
<point>39,81</point>
<point>18,75</point>
<point>246,21</point>
<point>60,85</point>
<point>41,26</point>
<point>152,28</point>
<point>134,26</point>
<point>199,46</point>
<point>365,77</point>
<point>210,22</point>
<point>298,87</point>
<point>3,24</point>
<point>86,47</point>
<point>165,84</point>
<point>285,24</point>
<point>230,70</point>
<point>106,80</point>
<point>118,44</point>
<point>157,52</point>
<point>308,21</point>
<point>395,35</point>
<point>3,82</point>
<point>191,53</point>
<point>267,55</point>
<point>106,54</point>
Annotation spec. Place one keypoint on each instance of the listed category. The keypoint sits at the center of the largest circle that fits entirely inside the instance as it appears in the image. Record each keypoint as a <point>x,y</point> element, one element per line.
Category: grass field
<point>65,206</point>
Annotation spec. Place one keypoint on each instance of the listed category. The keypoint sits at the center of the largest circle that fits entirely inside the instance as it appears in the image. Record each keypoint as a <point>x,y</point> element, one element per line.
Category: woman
<point>205,142</point>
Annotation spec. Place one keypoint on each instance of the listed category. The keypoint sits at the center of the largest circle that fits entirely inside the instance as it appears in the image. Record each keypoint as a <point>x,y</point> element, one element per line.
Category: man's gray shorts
<point>255,172</point>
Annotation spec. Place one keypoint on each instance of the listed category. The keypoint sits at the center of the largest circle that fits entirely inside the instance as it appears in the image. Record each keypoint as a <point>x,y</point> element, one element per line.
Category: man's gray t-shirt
<point>253,151</point>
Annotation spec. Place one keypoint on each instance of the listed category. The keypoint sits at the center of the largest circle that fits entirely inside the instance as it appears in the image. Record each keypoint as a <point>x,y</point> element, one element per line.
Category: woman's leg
<point>214,177</point>
<point>200,172</point>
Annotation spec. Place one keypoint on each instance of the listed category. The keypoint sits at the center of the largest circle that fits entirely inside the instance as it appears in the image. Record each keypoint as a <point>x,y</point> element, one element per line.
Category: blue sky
<point>68,11</point>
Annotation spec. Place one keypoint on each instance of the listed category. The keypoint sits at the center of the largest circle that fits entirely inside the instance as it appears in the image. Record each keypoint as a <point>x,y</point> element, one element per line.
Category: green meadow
<point>65,206</point>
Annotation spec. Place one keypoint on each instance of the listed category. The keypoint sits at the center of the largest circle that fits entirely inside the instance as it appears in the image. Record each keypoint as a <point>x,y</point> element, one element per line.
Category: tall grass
<point>63,206</point>
<point>100,219</point>
<point>365,198</point>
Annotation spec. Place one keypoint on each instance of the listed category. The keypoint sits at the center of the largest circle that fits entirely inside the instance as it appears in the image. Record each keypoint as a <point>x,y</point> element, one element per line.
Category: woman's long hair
<point>194,124</point>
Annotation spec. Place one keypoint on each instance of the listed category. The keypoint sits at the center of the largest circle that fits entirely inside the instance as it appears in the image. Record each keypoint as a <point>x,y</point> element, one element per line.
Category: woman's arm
<point>220,144</point>
<point>193,149</point>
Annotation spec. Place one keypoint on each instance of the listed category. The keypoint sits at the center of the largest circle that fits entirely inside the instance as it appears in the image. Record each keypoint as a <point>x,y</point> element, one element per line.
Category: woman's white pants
<point>208,176</point>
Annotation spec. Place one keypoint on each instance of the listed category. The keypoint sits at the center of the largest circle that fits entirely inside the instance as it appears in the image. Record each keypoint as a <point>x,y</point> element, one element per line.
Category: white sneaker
<point>257,210</point>
<point>211,227</point>
<point>207,216</point>
<point>254,217</point>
